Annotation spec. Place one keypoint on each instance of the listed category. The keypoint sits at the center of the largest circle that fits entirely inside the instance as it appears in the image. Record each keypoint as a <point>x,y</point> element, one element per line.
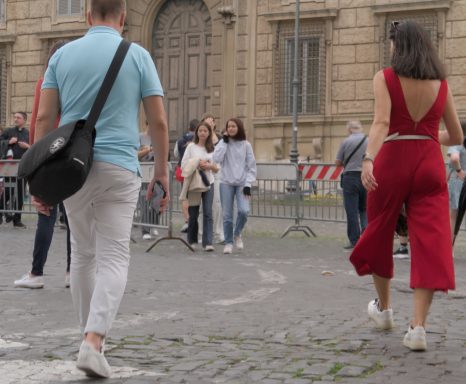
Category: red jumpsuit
<point>410,172</point>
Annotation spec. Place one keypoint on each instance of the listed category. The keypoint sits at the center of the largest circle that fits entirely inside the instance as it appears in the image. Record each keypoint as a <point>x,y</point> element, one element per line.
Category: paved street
<point>284,311</point>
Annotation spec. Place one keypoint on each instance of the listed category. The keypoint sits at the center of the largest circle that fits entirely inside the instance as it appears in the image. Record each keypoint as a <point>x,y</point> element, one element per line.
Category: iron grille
<point>3,86</point>
<point>311,68</point>
<point>427,20</point>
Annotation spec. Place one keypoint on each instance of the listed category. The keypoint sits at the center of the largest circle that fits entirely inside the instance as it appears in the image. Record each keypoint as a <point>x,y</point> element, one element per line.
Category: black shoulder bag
<point>349,158</point>
<point>57,166</point>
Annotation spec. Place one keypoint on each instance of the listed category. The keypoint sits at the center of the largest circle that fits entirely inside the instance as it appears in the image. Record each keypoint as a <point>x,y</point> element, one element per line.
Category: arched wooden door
<point>181,47</point>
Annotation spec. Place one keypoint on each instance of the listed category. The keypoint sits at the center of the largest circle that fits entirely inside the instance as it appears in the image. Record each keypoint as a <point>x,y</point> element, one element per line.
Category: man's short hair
<point>22,113</point>
<point>104,9</point>
<point>354,126</point>
<point>193,125</point>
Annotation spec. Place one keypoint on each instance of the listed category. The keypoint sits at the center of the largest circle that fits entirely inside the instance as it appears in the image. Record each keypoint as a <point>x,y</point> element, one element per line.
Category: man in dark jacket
<point>18,142</point>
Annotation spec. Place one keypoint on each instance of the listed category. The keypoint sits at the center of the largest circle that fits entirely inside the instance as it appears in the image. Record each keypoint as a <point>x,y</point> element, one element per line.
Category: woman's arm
<point>454,134</point>
<point>219,152</point>
<point>251,166</point>
<point>378,131</point>
<point>187,155</point>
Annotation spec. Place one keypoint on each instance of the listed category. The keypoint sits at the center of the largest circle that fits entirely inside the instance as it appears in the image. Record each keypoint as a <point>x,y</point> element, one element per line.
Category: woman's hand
<point>367,177</point>
<point>41,206</point>
<point>204,165</point>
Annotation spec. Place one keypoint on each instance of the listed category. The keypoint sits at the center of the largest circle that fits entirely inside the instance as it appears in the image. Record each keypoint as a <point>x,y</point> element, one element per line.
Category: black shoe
<point>19,224</point>
<point>8,218</point>
<point>348,247</point>
<point>401,253</point>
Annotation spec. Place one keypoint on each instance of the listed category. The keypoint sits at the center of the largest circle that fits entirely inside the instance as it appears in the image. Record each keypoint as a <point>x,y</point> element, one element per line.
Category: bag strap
<point>107,84</point>
<point>354,151</point>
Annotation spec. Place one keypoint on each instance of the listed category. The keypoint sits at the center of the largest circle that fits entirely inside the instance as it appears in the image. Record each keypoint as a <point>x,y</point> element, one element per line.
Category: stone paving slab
<point>266,315</point>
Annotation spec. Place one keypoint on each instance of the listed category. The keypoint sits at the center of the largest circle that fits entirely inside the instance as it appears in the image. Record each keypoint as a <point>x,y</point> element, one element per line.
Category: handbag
<point>345,163</point>
<point>178,175</point>
<point>57,166</point>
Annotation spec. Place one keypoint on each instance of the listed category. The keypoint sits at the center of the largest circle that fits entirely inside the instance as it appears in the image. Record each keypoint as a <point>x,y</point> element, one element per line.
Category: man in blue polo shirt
<point>100,214</point>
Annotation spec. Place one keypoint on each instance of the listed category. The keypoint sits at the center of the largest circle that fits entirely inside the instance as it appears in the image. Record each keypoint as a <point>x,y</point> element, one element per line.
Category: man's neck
<point>108,24</point>
<point>20,128</point>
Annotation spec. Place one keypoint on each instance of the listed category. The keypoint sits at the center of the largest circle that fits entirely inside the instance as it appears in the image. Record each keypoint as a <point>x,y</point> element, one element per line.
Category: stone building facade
<point>235,58</point>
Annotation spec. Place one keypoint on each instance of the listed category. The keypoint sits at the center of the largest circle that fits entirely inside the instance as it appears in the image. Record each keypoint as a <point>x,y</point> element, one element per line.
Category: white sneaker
<point>67,280</point>
<point>155,232</point>
<point>28,281</point>
<point>209,248</point>
<point>228,248</point>
<point>239,243</point>
<point>92,362</point>
<point>146,236</point>
<point>383,319</point>
<point>415,339</point>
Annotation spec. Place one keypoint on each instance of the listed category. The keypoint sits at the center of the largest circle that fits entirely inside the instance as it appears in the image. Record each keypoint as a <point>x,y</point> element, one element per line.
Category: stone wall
<point>243,76</point>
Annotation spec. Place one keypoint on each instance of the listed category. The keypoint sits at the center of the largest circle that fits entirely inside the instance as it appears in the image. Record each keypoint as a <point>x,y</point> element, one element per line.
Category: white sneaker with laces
<point>28,281</point>
<point>228,249</point>
<point>209,248</point>
<point>383,319</point>
<point>146,236</point>
<point>239,243</point>
<point>92,362</point>
<point>415,339</point>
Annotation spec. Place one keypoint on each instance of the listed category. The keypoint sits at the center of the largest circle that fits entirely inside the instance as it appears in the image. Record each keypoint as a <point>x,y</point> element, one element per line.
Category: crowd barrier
<point>303,193</point>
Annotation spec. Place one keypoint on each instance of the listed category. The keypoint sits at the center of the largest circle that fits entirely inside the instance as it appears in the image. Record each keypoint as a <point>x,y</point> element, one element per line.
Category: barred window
<point>2,11</point>
<point>427,20</point>
<point>70,7</point>
<point>3,86</point>
<point>311,68</point>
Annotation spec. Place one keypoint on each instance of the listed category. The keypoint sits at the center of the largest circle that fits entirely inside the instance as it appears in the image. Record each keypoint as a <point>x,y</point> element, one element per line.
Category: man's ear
<point>90,21</point>
<point>122,20</point>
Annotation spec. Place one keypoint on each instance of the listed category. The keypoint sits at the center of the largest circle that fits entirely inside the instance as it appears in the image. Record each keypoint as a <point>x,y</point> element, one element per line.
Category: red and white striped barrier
<point>8,168</point>
<point>320,172</point>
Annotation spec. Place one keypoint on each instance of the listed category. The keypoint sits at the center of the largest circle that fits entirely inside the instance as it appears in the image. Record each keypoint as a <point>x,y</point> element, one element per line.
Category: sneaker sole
<point>90,372</point>
<point>29,286</point>
<point>418,345</point>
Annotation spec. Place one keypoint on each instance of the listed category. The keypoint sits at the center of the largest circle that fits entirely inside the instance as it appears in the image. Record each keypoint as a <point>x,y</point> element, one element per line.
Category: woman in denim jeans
<point>202,148</point>
<point>238,172</point>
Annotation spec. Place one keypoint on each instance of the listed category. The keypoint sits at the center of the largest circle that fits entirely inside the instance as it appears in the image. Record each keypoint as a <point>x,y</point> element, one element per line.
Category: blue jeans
<point>43,239</point>
<point>354,196</point>
<point>207,219</point>
<point>228,194</point>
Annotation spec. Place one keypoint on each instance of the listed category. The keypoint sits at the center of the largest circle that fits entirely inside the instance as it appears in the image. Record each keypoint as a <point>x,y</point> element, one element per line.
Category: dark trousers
<point>15,195</point>
<point>43,239</point>
<point>207,219</point>
<point>354,196</point>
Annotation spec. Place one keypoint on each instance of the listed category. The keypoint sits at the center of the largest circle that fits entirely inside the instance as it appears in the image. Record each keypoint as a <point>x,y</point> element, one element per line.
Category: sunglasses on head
<point>394,24</point>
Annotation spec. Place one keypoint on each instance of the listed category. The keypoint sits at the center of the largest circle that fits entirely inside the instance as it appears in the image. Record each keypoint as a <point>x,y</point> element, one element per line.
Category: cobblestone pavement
<point>284,311</point>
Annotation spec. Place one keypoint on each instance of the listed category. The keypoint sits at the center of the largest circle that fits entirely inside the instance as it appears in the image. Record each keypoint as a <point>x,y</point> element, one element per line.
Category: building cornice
<point>405,6</point>
<point>62,33</point>
<point>9,39</point>
<point>328,13</point>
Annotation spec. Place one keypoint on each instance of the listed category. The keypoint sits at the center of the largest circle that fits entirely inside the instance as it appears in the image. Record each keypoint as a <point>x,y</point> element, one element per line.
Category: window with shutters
<point>70,7</point>
<point>3,86</point>
<point>311,68</point>
<point>428,20</point>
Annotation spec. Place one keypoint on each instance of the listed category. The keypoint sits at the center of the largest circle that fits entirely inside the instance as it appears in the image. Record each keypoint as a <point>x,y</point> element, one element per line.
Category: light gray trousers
<point>100,215</point>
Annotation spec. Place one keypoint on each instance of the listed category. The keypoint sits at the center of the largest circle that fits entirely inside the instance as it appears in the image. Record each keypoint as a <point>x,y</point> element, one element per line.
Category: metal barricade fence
<point>11,189</point>
<point>309,192</point>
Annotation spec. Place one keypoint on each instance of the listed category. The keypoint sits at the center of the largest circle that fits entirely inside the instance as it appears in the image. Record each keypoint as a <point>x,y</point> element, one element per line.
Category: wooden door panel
<point>182,39</point>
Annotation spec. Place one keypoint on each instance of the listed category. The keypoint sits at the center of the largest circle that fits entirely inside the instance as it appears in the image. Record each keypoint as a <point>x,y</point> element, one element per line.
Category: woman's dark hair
<point>414,55</point>
<point>209,145</point>
<point>241,134</point>
<point>54,48</point>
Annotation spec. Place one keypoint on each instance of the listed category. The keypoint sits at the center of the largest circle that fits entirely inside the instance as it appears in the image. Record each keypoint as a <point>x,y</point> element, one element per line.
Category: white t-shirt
<point>194,151</point>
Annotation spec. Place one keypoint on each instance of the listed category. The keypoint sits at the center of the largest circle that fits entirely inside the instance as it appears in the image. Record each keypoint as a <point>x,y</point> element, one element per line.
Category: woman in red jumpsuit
<point>404,165</point>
